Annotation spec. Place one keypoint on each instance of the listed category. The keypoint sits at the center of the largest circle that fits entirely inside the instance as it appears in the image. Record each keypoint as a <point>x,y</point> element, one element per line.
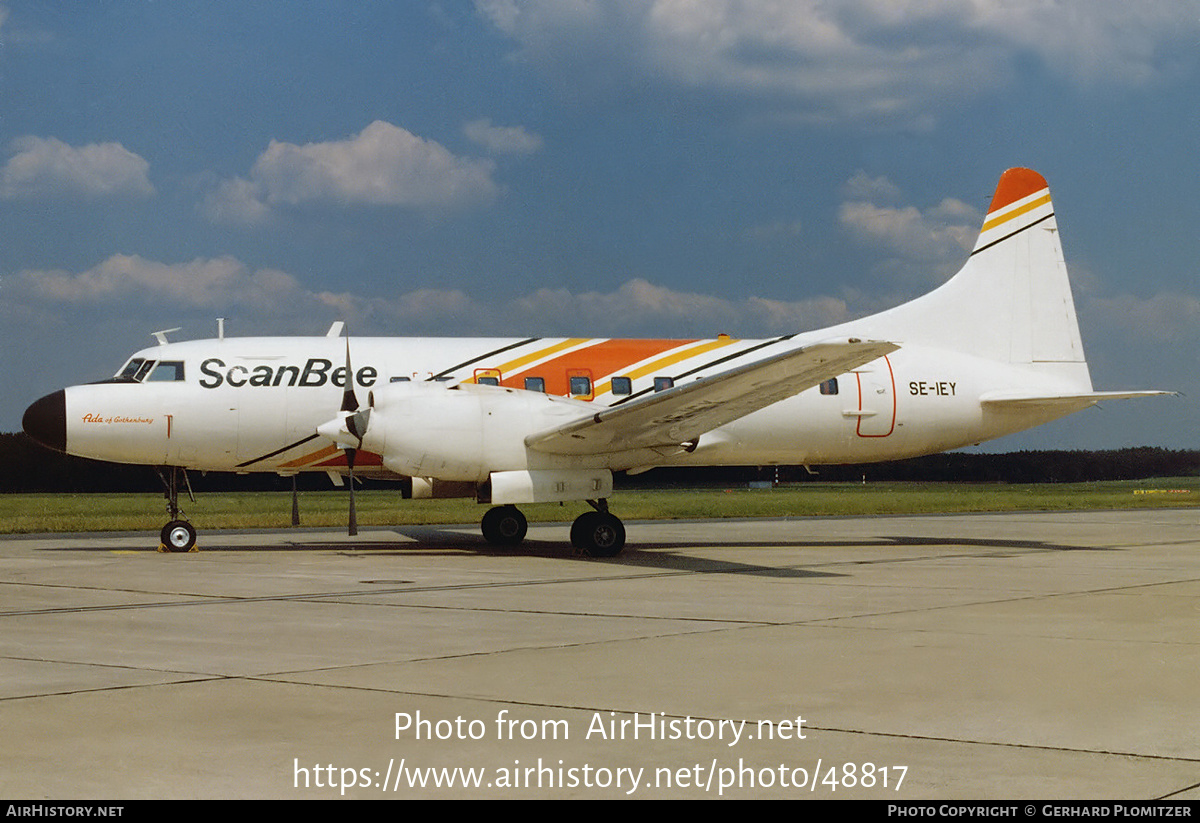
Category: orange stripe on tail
<point>1016,184</point>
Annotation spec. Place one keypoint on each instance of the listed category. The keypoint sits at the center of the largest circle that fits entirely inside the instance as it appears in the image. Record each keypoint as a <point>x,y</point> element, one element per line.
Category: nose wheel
<point>177,536</point>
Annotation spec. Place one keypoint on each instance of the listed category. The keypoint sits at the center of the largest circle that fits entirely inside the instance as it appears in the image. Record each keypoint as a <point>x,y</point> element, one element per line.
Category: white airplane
<point>994,350</point>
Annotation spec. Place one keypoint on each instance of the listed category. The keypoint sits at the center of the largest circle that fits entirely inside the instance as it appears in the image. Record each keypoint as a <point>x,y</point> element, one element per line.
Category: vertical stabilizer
<point>1011,302</point>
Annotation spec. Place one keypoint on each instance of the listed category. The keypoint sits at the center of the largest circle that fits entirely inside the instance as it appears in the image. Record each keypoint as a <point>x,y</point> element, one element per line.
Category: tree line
<point>27,467</point>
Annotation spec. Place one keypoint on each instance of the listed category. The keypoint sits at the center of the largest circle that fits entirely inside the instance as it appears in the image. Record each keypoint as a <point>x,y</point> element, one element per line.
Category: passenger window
<point>400,380</point>
<point>622,385</point>
<point>535,384</point>
<point>829,386</point>
<point>663,383</point>
<point>581,385</point>
<point>168,371</point>
<point>488,381</point>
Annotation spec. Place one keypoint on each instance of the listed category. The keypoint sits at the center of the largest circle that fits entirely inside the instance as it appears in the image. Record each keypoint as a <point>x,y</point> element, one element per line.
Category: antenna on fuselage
<point>161,336</point>
<point>220,328</point>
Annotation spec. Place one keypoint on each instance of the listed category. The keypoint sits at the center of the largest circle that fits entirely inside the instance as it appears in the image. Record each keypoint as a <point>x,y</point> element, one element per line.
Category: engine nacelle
<point>429,488</point>
<point>549,485</point>
<point>460,433</point>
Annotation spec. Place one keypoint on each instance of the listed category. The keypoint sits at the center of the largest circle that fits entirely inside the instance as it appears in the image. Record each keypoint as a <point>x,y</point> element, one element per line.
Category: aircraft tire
<point>504,526</point>
<point>178,536</point>
<point>598,534</point>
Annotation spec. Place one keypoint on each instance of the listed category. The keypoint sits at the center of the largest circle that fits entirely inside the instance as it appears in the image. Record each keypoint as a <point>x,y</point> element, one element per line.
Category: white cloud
<point>48,167</point>
<point>200,284</point>
<point>874,189</point>
<point>1160,318</point>
<point>856,58</point>
<point>502,139</point>
<point>236,201</point>
<point>923,246</point>
<point>272,299</point>
<point>949,228</point>
<point>383,165</point>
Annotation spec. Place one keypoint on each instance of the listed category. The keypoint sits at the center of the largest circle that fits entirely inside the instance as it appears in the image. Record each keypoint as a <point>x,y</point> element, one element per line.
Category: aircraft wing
<point>681,414</point>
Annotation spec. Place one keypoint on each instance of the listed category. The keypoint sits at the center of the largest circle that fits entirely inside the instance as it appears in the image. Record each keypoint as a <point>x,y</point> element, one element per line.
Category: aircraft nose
<point>46,421</point>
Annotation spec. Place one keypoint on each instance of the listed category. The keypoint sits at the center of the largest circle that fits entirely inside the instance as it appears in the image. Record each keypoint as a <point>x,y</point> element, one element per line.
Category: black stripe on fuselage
<point>474,360</point>
<point>702,367</point>
<point>450,370</point>
<point>269,455</point>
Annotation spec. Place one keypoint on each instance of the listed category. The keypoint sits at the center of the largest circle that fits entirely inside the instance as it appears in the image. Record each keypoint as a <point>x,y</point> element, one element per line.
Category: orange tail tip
<point>1016,184</point>
<point>1022,198</point>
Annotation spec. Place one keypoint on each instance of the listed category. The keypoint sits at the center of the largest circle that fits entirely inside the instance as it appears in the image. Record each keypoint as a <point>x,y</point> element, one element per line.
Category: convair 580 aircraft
<point>994,350</point>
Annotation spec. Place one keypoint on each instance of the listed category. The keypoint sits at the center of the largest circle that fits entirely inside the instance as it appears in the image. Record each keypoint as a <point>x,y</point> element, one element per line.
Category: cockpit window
<point>131,369</point>
<point>143,370</point>
<point>167,371</point>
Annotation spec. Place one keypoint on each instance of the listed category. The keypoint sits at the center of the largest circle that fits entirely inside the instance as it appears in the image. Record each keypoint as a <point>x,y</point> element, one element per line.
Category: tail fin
<point>1011,301</point>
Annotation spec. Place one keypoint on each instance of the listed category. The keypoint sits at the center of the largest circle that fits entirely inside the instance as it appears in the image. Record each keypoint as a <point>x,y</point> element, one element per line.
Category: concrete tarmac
<point>1007,656</point>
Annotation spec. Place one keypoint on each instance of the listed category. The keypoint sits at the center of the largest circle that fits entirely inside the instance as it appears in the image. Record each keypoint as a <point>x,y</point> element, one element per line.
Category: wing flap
<point>680,415</point>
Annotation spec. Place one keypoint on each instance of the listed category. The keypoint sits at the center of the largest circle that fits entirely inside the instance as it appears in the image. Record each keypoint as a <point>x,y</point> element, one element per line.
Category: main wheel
<point>598,534</point>
<point>178,536</point>
<point>504,526</point>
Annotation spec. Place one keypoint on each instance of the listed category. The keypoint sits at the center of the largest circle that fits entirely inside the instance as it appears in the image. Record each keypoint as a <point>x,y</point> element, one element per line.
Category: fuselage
<point>253,404</point>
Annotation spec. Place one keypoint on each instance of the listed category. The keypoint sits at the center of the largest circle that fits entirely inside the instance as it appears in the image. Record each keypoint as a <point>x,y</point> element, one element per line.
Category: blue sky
<point>650,167</point>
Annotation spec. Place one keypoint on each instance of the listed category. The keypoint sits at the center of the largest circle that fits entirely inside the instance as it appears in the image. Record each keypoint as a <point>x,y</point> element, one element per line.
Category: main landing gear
<point>178,535</point>
<point>595,534</point>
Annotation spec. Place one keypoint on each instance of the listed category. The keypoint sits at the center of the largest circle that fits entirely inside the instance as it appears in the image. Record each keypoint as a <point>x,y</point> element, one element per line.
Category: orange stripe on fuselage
<point>668,360</point>
<point>304,460</point>
<point>603,358</point>
<point>361,458</point>
<point>336,457</point>
<point>517,364</point>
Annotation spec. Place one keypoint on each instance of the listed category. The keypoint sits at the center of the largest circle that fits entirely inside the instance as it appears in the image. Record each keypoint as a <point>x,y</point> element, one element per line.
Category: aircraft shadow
<point>432,540</point>
<point>669,555</point>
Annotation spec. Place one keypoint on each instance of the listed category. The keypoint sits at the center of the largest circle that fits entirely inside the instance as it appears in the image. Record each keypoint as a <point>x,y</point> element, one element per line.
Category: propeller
<point>347,431</point>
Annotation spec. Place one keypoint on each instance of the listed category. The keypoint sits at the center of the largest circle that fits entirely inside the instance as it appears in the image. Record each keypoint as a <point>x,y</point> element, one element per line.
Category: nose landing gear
<point>178,535</point>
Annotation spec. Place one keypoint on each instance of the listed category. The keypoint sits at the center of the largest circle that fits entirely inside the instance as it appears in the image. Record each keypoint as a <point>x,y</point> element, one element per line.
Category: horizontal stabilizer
<point>1080,400</point>
<point>681,414</point>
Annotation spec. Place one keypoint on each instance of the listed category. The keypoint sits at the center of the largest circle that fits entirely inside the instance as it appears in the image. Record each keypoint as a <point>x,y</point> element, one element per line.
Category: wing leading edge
<point>680,415</point>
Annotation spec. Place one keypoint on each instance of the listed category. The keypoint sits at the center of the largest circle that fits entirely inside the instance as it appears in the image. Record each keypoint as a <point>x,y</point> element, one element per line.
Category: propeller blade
<point>352,529</point>
<point>353,422</point>
<point>349,400</point>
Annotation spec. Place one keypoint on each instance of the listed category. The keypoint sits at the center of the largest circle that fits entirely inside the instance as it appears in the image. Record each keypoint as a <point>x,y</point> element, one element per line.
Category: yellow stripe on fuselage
<point>513,365</point>
<point>668,360</point>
